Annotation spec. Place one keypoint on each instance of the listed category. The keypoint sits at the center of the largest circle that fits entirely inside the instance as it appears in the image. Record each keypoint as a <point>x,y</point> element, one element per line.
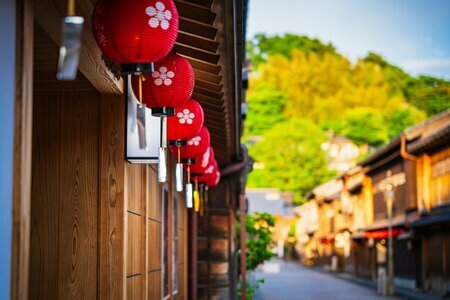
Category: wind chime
<point>195,147</point>
<point>186,124</point>
<point>197,169</point>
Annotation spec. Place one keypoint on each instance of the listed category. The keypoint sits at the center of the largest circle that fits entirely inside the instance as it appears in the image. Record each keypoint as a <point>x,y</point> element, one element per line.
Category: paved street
<point>289,280</point>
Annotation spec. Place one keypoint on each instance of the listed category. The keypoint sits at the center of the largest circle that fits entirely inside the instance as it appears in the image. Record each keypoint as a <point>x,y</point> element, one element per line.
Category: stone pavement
<point>290,280</point>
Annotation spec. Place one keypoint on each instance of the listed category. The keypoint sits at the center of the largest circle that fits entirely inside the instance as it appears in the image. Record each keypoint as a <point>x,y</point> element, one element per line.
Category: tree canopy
<point>302,89</point>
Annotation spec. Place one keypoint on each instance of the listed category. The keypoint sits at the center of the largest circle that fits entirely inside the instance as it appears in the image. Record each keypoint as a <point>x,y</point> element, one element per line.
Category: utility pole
<point>389,198</point>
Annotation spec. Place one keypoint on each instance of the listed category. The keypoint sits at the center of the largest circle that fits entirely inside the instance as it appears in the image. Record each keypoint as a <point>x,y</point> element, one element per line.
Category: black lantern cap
<point>177,143</point>
<point>137,68</point>
<point>163,111</point>
<point>189,161</point>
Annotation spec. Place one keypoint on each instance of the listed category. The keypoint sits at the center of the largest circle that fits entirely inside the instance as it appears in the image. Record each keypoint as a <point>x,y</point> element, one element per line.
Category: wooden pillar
<point>23,122</point>
<point>111,202</point>
<point>242,208</point>
<point>193,255</point>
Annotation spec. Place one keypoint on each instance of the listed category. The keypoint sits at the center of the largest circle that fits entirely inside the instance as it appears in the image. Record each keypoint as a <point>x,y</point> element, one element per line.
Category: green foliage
<point>365,125</point>
<point>263,46</point>
<point>403,117</point>
<point>292,158</point>
<point>266,106</point>
<point>301,87</point>
<point>259,228</point>
<point>429,94</point>
<point>251,287</point>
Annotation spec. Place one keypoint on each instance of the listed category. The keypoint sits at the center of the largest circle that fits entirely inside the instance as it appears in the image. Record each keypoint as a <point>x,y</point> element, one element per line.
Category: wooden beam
<point>208,93</point>
<point>205,3</point>
<point>23,141</point>
<point>208,86</point>
<point>208,99</point>
<point>195,12</point>
<point>197,54</point>
<point>203,66</point>
<point>49,16</point>
<point>199,29</point>
<point>216,79</point>
<point>197,42</point>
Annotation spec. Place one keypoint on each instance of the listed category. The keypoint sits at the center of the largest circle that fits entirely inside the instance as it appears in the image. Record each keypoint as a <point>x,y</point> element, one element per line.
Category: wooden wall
<point>96,221</point>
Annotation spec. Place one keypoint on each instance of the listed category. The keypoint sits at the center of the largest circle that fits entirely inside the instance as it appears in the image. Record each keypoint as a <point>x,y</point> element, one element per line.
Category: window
<point>440,181</point>
<point>175,247</point>
<point>170,255</point>
<point>166,269</point>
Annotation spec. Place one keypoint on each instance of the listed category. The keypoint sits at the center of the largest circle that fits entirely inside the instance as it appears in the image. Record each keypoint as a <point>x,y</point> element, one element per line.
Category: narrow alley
<point>290,280</point>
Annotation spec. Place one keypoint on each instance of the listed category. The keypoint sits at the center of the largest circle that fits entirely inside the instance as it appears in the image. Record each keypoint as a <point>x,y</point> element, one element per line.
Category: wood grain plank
<point>154,285</point>
<point>22,160</point>
<point>78,211</point>
<point>44,242</point>
<point>112,205</point>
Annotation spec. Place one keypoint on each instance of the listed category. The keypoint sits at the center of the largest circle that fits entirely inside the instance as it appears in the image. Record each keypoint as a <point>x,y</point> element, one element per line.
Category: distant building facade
<point>351,228</point>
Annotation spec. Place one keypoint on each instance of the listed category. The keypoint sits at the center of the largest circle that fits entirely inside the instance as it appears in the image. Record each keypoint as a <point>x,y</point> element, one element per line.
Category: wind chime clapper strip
<point>202,199</point>
<point>163,113</point>
<point>179,164</point>
<point>196,196</point>
<point>189,200</point>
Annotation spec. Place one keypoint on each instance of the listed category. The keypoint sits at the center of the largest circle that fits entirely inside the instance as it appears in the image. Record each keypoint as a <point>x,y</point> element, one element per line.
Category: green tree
<point>365,125</point>
<point>292,158</point>
<point>261,46</point>
<point>266,106</point>
<point>403,117</point>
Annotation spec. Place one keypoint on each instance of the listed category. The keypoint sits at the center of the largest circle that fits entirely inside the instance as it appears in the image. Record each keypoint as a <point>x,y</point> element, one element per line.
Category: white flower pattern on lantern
<point>163,76</point>
<point>159,16</point>
<point>209,170</point>
<point>195,141</point>
<point>185,117</point>
<point>205,159</point>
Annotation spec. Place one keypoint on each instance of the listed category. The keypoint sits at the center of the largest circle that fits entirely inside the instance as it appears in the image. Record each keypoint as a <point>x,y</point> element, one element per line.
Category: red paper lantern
<point>135,33</point>
<point>209,172</point>
<point>202,162</point>
<point>170,85</point>
<point>186,123</point>
<point>214,180</point>
<point>195,146</point>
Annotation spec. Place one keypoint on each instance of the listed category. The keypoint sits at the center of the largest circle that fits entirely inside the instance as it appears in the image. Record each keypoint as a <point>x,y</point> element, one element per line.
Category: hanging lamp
<point>169,86</point>
<point>135,33</point>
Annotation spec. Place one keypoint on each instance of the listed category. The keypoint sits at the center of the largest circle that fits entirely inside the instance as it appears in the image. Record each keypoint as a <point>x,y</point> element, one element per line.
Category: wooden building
<point>86,223</point>
<point>419,163</point>
<point>432,151</point>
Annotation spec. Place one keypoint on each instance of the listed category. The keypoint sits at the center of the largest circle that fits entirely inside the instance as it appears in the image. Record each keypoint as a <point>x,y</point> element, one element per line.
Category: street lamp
<point>389,198</point>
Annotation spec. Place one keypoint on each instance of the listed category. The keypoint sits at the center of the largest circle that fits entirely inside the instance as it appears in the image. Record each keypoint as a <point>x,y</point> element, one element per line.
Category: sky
<point>413,34</point>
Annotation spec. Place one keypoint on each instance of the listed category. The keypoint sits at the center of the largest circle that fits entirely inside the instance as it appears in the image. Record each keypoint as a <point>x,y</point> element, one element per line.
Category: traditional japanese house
<point>358,189</point>
<point>87,223</point>
<point>432,152</point>
<point>393,163</point>
<point>330,222</point>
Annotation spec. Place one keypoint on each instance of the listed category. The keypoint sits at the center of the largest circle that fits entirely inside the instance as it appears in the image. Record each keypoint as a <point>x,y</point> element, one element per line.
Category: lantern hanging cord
<point>189,173</point>
<point>71,7</point>
<point>196,184</point>
<point>141,78</point>
<point>179,155</point>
